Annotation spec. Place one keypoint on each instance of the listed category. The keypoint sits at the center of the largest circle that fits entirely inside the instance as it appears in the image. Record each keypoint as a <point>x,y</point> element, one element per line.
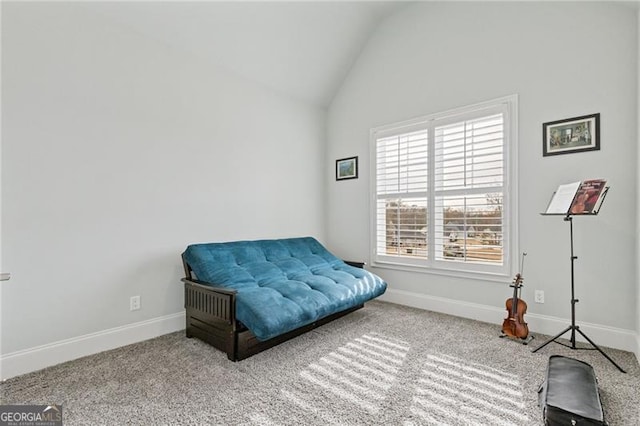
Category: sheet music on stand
<point>578,198</point>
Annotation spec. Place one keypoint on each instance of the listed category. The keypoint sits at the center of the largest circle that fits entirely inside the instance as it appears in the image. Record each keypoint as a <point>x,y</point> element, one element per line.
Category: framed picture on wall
<point>347,168</point>
<point>576,134</point>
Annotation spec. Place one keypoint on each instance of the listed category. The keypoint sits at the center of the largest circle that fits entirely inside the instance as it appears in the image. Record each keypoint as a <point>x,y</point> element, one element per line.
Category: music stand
<point>568,217</point>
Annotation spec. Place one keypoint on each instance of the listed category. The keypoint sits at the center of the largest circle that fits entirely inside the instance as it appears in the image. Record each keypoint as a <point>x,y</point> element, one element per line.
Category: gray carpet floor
<point>382,365</point>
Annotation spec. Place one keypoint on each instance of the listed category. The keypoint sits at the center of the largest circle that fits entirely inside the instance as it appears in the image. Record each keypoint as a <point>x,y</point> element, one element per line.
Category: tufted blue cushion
<point>282,284</point>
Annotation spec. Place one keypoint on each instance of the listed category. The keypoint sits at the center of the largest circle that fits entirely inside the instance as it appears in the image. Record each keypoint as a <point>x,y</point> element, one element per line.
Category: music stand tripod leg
<point>600,350</point>
<point>552,339</point>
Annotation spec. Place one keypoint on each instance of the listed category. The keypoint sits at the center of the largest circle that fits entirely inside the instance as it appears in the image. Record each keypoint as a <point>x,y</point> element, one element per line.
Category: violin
<point>514,325</point>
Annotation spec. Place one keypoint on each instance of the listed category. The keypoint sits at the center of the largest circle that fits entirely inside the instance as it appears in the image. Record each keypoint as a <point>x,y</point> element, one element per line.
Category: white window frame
<point>508,105</point>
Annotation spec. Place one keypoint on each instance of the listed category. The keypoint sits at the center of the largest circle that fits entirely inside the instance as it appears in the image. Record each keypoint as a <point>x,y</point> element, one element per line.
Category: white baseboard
<point>33,359</point>
<point>602,335</point>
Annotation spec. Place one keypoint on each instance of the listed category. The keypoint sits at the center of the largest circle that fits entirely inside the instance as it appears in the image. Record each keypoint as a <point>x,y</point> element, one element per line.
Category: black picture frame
<point>347,168</point>
<point>577,134</point>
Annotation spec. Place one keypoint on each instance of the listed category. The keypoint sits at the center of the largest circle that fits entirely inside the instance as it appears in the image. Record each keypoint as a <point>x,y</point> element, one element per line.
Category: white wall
<point>563,60</point>
<point>117,153</point>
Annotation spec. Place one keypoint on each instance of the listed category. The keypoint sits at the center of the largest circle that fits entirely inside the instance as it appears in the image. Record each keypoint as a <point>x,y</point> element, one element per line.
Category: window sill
<point>495,277</point>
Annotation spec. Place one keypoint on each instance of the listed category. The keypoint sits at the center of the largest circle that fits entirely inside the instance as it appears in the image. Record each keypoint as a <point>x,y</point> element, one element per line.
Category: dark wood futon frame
<point>211,317</point>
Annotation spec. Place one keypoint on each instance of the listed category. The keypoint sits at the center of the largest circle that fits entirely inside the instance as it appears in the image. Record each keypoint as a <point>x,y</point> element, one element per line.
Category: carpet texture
<point>382,365</point>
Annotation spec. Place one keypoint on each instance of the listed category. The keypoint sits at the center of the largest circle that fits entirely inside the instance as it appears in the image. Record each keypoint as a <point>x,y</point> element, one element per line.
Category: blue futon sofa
<point>246,296</point>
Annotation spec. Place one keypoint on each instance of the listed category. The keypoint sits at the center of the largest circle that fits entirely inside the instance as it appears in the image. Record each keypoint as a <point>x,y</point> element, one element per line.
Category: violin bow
<point>524,253</point>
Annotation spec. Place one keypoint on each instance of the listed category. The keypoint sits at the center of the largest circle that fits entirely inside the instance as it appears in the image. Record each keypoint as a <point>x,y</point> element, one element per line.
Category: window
<point>443,190</point>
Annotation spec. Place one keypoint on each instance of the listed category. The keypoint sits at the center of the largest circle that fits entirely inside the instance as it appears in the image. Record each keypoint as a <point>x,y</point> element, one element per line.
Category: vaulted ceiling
<point>301,49</point>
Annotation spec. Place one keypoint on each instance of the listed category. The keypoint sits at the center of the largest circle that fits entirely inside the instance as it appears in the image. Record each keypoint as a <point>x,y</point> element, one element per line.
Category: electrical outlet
<point>539,296</point>
<point>134,303</point>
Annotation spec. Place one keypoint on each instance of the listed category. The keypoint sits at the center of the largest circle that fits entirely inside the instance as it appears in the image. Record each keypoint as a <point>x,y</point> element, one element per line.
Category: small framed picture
<point>576,134</point>
<point>347,168</point>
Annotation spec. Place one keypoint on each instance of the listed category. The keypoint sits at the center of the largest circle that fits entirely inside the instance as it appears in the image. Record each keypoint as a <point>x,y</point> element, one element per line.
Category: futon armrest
<point>210,287</point>
<point>356,264</point>
<point>210,304</point>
